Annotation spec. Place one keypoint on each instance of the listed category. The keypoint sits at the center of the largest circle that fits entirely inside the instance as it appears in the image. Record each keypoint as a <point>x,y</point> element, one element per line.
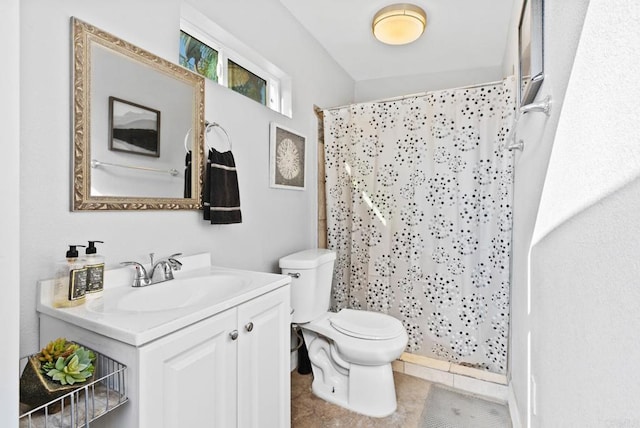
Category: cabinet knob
<point>233,335</point>
<point>249,326</point>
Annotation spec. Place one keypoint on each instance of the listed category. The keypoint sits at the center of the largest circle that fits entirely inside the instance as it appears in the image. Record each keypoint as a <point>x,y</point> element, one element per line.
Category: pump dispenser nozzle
<point>91,249</point>
<point>73,252</point>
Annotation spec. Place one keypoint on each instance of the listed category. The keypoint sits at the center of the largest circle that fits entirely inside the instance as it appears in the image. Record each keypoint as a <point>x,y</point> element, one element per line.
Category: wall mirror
<point>531,50</point>
<point>138,127</point>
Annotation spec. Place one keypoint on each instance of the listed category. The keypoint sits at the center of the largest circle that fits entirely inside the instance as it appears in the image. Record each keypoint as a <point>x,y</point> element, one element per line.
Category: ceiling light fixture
<point>399,24</point>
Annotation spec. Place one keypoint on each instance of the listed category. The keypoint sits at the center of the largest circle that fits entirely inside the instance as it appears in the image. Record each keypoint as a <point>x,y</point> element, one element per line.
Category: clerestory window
<point>210,51</point>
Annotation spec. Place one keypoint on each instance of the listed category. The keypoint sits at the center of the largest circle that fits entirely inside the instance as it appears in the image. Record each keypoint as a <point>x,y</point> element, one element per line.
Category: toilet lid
<point>366,325</point>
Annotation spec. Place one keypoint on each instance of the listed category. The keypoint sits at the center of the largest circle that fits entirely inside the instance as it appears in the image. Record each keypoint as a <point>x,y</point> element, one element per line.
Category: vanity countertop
<point>183,301</point>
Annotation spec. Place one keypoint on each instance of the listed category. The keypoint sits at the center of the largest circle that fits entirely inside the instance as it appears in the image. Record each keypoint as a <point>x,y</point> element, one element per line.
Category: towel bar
<point>96,164</point>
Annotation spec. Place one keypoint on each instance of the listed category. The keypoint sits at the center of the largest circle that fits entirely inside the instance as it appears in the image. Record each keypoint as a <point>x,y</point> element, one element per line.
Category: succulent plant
<point>56,349</point>
<point>66,362</point>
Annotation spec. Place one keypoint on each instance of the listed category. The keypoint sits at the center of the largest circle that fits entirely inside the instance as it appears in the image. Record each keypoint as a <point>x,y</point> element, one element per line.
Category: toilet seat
<point>366,325</point>
<point>361,350</point>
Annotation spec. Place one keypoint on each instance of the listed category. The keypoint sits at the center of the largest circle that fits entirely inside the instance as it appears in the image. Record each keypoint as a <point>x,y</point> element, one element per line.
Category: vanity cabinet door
<point>188,379</point>
<point>264,395</point>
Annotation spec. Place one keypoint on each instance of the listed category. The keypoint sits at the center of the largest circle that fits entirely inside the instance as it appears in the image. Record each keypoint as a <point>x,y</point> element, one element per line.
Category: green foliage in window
<point>198,57</point>
<point>246,83</point>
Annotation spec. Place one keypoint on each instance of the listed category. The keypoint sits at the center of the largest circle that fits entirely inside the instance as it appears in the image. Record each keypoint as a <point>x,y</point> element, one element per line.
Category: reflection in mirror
<point>132,111</point>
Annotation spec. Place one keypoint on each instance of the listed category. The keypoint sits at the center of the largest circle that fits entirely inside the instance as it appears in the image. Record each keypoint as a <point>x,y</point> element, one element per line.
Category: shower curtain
<point>419,211</point>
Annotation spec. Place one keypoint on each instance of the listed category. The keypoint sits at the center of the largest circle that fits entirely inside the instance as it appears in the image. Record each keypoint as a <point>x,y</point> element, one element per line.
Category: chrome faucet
<point>161,271</point>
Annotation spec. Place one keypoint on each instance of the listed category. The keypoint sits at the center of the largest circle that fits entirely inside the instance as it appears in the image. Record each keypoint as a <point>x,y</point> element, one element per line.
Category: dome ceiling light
<point>399,24</point>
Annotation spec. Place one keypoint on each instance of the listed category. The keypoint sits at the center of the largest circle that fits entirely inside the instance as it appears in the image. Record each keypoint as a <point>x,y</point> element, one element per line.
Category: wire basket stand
<point>85,404</point>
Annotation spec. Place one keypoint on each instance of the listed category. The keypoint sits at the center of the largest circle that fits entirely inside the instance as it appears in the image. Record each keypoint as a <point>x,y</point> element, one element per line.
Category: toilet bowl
<point>350,351</point>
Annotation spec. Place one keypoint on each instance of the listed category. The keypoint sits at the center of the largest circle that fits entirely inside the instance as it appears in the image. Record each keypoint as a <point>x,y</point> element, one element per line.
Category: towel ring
<point>186,142</point>
<point>209,126</point>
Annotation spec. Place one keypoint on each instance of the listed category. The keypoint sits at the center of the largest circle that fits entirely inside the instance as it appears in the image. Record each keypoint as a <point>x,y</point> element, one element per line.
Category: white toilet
<point>350,351</point>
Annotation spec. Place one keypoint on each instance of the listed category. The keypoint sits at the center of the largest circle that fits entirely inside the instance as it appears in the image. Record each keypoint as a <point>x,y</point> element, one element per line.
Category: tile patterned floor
<point>309,411</point>
<point>445,407</point>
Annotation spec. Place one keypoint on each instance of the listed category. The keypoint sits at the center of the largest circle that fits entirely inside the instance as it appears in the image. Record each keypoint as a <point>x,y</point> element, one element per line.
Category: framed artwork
<point>133,128</point>
<point>288,154</point>
<point>530,50</point>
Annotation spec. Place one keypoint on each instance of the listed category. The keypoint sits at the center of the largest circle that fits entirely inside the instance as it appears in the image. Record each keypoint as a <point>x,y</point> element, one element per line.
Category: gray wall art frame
<point>530,50</point>
<point>287,158</point>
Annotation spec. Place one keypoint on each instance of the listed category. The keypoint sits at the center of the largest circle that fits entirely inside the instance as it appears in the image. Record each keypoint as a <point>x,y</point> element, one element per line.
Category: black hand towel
<point>187,175</point>
<point>221,197</point>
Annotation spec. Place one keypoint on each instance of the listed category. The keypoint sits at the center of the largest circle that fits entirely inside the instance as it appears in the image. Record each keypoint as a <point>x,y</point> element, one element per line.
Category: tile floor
<point>309,411</point>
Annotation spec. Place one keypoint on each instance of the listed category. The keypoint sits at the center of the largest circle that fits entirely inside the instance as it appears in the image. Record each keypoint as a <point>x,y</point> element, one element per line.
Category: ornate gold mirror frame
<point>86,37</point>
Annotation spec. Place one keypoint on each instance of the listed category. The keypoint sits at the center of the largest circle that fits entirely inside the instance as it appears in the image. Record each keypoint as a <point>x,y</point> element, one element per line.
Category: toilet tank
<point>311,277</point>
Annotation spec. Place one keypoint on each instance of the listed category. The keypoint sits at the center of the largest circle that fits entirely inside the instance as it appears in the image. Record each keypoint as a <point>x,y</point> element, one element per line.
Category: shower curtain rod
<point>418,94</point>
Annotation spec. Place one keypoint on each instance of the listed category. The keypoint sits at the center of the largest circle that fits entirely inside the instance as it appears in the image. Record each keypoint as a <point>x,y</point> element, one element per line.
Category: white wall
<point>585,320</point>
<point>275,222</point>
<point>585,257</point>
<point>575,246</point>
<point>563,21</point>
<point>375,89</point>
<point>10,214</point>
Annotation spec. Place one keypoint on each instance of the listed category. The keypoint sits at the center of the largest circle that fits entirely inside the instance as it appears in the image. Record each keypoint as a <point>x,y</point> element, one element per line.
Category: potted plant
<point>56,370</point>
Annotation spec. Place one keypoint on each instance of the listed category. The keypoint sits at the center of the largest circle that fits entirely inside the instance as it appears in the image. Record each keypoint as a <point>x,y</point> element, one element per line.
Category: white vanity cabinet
<point>189,378</point>
<point>220,364</point>
<point>229,370</point>
<point>264,390</point>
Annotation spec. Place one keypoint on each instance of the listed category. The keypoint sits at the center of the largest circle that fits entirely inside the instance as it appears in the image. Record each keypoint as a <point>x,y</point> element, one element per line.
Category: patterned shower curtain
<point>419,211</point>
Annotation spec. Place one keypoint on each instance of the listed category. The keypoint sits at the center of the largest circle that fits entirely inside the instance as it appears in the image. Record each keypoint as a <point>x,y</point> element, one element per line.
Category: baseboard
<point>513,407</point>
<point>475,381</point>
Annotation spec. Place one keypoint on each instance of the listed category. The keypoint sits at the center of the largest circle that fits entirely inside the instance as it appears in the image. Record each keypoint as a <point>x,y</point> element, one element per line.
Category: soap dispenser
<point>95,270</point>
<point>71,280</point>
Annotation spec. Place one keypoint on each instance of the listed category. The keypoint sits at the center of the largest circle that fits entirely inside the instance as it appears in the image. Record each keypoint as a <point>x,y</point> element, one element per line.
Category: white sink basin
<point>171,295</point>
<point>139,315</point>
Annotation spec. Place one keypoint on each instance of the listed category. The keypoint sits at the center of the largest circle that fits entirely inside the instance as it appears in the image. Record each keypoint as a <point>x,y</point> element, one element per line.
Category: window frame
<point>278,84</point>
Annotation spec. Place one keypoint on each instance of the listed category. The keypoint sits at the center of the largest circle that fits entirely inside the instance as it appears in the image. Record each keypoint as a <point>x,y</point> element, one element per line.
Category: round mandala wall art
<point>287,158</point>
